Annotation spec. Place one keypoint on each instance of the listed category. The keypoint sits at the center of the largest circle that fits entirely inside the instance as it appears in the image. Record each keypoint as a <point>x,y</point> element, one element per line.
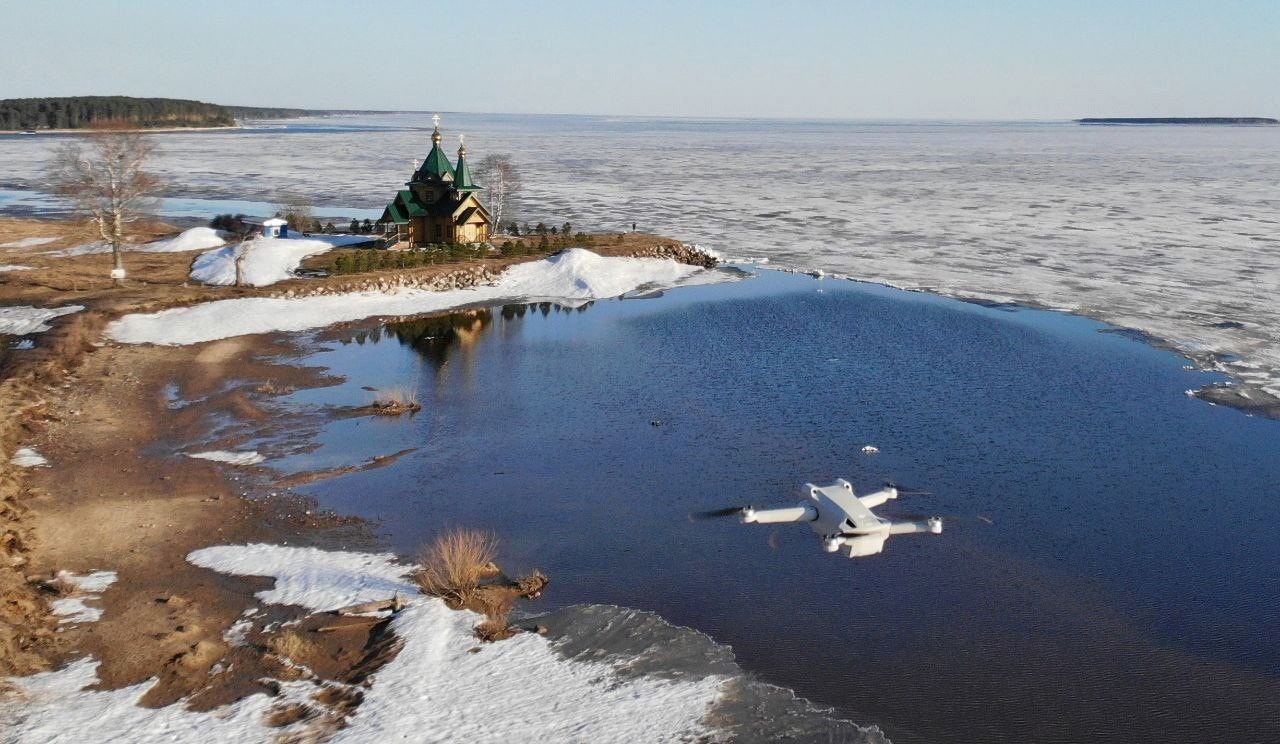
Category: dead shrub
<point>291,645</point>
<point>453,564</point>
<point>397,400</point>
<point>531,586</point>
<point>497,607</point>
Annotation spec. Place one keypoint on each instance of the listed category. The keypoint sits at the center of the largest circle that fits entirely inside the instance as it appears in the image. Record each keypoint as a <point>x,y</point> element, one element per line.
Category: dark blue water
<point>1109,567</point>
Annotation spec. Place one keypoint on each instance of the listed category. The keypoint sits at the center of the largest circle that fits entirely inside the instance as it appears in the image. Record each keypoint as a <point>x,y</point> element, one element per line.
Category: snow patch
<point>434,690</point>
<point>195,239</point>
<point>573,275</point>
<point>249,457</point>
<point>88,587</point>
<point>27,242</point>
<point>84,249</point>
<point>266,261</point>
<point>15,267</point>
<point>26,457</point>
<point>19,320</point>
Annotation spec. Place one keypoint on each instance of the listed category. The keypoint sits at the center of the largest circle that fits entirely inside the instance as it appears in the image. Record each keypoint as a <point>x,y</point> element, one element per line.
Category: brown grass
<point>293,646</point>
<point>453,564</point>
<point>497,616</point>
<point>396,400</point>
<point>531,586</point>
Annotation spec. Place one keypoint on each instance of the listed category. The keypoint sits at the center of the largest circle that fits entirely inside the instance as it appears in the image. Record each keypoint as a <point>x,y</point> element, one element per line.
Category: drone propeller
<point>903,490</point>
<point>717,513</point>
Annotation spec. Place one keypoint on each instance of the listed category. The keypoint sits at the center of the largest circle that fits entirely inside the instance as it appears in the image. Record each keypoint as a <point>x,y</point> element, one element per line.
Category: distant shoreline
<point>1239,121</point>
<point>90,130</point>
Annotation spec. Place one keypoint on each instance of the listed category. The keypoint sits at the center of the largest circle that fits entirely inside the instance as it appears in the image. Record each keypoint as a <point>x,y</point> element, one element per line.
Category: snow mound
<point>267,261</point>
<point>574,275</point>
<point>27,457</point>
<point>578,274</point>
<point>195,239</point>
<point>233,458</point>
<point>19,320</point>
<point>27,242</point>
<point>90,586</point>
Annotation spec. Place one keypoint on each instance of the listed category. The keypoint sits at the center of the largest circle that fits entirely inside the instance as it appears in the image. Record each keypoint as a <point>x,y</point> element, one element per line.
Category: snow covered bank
<point>434,690</point>
<point>574,275</point>
<point>20,320</point>
<point>249,457</point>
<point>266,261</point>
<point>195,239</point>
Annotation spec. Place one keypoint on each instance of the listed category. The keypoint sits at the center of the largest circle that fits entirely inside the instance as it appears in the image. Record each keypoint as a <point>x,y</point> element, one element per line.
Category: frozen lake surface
<point>1171,230</point>
<point>1107,573</point>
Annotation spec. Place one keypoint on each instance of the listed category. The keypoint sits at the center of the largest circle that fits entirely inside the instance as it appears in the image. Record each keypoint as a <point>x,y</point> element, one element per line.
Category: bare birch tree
<point>501,179</point>
<point>103,174</point>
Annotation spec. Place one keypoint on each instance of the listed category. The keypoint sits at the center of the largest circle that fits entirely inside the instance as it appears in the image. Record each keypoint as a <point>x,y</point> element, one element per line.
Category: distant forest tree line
<point>79,112</point>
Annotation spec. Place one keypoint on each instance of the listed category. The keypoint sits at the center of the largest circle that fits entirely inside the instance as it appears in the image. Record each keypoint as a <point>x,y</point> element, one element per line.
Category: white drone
<point>842,519</point>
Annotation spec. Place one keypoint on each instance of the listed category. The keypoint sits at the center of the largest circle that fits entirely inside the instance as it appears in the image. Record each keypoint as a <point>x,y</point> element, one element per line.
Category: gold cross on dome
<point>435,119</point>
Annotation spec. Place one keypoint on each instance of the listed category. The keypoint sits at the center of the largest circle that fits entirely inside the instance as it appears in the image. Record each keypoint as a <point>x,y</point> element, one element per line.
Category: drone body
<point>842,519</point>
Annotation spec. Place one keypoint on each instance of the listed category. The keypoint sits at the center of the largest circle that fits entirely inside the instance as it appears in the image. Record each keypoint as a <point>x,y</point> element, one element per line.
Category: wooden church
<point>441,205</point>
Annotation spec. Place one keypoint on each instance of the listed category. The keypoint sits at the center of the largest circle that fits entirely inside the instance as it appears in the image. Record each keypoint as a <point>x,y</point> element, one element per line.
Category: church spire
<point>437,166</point>
<point>462,180</point>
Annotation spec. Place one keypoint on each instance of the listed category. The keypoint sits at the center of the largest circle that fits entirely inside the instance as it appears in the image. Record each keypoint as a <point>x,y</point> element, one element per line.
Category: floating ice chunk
<point>195,239</point>
<point>266,261</point>
<point>19,320</point>
<point>247,457</point>
<point>27,242</point>
<point>27,457</point>
<point>870,449</point>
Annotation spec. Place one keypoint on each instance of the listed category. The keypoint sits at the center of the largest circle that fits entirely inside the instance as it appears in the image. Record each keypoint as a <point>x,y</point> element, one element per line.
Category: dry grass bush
<point>497,608</point>
<point>531,586</point>
<point>397,400</point>
<point>293,646</point>
<point>453,564</point>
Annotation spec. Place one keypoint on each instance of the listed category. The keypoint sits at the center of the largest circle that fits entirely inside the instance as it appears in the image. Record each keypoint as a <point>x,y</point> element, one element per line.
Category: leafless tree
<point>104,175</point>
<point>296,209</point>
<point>501,179</point>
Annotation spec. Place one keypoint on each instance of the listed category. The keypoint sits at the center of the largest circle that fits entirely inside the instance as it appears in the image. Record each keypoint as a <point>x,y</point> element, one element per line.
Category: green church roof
<point>462,179</point>
<point>435,167</point>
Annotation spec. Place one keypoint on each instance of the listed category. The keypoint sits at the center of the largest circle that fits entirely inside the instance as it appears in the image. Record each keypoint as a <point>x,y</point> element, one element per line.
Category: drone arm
<point>872,500</point>
<point>933,525</point>
<point>801,513</point>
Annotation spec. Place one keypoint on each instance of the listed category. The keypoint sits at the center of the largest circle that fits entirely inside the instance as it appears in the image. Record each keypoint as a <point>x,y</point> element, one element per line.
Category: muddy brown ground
<point>119,494</point>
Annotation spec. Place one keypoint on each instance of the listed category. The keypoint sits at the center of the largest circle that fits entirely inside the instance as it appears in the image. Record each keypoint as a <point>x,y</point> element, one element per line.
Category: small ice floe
<point>817,273</point>
<point>73,609</point>
<point>870,449</point>
<point>27,242</point>
<point>27,457</point>
<point>19,320</point>
<point>246,457</point>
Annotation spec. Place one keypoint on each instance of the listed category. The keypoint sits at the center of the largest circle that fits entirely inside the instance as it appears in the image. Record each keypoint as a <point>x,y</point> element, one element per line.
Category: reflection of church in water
<point>438,337</point>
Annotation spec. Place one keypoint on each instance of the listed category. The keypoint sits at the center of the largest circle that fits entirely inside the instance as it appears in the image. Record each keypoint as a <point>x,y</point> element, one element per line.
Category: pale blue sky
<point>1020,59</point>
